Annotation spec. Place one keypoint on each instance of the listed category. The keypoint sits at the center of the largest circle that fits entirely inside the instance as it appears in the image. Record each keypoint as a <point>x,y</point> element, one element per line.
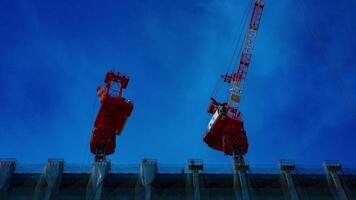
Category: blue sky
<point>54,55</point>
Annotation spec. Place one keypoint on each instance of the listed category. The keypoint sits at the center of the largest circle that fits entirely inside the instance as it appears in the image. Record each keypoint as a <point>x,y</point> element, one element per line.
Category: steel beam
<point>7,168</point>
<point>331,168</point>
<point>195,166</point>
<point>240,181</point>
<point>286,167</point>
<point>96,181</point>
<point>148,170</point>
<point>50,180</point>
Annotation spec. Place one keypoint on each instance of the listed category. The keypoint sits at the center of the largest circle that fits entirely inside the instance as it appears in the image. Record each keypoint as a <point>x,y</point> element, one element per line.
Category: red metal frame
<point>112,116</point>
<point>226,130</point>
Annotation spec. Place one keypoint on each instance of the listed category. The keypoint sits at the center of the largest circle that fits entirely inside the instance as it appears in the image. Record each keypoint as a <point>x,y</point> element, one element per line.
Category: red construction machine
<point>226,130</point>
<point>112,116</point>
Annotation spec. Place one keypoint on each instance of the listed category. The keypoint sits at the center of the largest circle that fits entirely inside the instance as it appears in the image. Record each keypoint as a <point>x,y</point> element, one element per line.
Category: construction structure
<point>112,116</point>
<point>226,130</point>
<point>149,180</point>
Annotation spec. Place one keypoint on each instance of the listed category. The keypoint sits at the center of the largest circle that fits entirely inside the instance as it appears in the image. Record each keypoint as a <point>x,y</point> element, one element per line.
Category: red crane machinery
<point>112,116</point>
<point>226,130</point>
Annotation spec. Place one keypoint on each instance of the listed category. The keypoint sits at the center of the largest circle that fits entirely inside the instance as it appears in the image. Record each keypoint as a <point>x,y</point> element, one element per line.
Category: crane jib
<point>249,43</point>
<point>237,78</point>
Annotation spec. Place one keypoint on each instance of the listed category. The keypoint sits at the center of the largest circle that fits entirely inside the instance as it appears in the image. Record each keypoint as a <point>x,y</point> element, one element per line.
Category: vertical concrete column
<point>148,170</point>
<point>96,181</point>
<point>7,168</point>
<point>195,166</point>
<point>48,185</point>
<point>240,181</point>
<point>286,167</point>
<point>53,176</point>
<point>331,168</point>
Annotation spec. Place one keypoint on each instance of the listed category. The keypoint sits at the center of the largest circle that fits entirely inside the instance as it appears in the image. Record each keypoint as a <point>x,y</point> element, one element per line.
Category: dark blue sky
<point>54,54</point>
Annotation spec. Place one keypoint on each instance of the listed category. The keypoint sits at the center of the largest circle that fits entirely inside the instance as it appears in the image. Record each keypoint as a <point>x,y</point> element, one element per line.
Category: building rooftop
<point>151,180</point>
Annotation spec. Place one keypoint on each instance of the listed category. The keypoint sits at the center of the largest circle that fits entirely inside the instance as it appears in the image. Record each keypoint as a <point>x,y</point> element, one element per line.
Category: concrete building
<point>149,180</point>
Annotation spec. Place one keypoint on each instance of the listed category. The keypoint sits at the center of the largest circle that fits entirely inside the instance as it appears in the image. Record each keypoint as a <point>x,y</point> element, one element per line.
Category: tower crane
<point>112,116</point>
<point>226,130</point>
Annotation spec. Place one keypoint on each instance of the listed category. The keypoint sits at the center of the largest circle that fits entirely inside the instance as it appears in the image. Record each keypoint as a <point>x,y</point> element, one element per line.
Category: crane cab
<point>112,116</point>
<point>226,129</point>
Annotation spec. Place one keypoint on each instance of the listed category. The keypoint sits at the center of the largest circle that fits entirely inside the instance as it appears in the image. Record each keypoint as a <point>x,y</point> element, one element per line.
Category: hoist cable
<point>235,45</point>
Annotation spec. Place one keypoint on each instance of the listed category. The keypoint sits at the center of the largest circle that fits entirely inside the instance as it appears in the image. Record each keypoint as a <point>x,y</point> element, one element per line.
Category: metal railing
<point>180,168</point>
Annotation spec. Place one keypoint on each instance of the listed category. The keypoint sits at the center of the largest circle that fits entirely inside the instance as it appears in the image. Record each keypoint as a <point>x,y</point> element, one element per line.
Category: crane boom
<point>237,78</point>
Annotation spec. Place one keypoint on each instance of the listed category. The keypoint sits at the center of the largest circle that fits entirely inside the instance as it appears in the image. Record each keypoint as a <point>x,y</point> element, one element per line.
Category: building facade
<point>104,180</point>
